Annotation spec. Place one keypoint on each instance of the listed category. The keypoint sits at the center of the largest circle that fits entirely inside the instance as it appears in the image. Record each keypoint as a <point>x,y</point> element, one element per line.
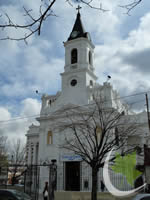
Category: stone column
<point>34,153</point>
<point>29,154</point>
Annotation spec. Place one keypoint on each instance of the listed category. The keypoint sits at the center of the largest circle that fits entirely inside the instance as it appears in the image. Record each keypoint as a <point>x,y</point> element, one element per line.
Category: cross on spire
<point>78,8</point>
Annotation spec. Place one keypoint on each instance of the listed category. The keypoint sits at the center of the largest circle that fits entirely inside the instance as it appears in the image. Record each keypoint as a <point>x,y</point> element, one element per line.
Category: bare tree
<point>3,151</point>
<point>92,131</point>
<point>34,24</point>
<point>17,160</point>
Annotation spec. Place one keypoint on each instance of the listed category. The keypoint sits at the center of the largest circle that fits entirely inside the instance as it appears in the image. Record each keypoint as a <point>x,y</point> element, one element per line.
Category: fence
<point>26,178</point>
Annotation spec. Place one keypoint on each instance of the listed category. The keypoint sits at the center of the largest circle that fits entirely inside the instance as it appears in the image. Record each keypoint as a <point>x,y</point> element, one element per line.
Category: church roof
<point>78,29</point>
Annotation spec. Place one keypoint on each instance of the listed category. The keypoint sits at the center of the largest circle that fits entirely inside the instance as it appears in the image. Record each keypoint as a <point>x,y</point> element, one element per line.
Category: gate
<point>31,181</point>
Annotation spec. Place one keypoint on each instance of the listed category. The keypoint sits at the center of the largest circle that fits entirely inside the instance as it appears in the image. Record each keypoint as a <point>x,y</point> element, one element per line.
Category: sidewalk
<point>84,196</point>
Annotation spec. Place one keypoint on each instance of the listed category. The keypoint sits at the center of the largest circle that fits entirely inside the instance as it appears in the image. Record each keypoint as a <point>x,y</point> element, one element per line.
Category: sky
<point>122,50</point>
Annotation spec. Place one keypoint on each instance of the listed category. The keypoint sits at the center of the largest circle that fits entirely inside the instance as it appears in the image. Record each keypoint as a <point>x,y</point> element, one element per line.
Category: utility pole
<point>146,157</point>
<point>147,106</point>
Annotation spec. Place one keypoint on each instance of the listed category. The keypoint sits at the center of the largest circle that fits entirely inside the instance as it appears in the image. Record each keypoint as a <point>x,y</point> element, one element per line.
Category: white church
<point>78,83</point>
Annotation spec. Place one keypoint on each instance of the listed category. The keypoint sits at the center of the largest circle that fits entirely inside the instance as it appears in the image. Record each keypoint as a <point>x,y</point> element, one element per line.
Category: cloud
<point>139,38</point>
<point>30,107</point>
<point>34,68</point>
<point>5,115</point>
<point>136,48</point>
<point>17,127</point>
<point>139,60</point>
<point>126,53</point>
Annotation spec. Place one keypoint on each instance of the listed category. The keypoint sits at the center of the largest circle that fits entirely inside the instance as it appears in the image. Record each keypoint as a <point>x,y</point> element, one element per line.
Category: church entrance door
<point>72,176</point>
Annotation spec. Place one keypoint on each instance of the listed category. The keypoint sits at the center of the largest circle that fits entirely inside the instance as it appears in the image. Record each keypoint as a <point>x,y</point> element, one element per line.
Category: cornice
<point>80,70</point>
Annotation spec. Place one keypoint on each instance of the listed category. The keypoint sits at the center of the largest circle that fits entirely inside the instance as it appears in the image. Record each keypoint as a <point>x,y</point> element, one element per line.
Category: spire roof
<point>78,29</point>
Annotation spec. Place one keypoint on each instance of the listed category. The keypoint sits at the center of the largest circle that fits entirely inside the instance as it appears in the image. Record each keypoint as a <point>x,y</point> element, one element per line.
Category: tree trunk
<point>94,183</point>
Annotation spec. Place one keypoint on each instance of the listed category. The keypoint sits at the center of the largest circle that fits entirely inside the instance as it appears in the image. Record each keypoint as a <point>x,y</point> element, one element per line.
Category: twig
<point>131,6</point>
<point>35,24</point>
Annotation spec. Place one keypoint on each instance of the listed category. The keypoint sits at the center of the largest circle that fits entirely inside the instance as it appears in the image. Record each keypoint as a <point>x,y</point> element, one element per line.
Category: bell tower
<point>78,73</point>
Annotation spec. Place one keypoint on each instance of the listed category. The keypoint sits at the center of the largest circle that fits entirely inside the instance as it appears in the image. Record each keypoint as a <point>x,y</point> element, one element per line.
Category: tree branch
<point>33,27</point>
<point>131,5</point>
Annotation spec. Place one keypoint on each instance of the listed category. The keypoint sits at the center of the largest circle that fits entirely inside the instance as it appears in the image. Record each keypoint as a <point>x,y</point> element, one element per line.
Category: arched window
<point>91,83</point>
<point>49,137</point>
<point>74,56</point>
<point>90,58</point>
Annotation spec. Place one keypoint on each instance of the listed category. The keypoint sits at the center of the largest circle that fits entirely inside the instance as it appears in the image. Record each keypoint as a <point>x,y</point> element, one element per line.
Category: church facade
<point>78,83</point>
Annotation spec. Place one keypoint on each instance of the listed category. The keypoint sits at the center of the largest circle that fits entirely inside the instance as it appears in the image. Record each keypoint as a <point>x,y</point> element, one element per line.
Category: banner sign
<point>71,158</point>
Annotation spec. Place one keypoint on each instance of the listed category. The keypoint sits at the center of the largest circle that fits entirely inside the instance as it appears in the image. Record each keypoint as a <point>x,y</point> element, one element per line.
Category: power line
<point>38,115</point>
<point>20,118</point>
<point>136,94</point>
<point>135,102</point>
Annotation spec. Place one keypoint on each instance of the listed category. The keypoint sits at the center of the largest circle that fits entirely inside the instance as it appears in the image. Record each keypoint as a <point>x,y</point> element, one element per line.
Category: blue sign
<point>71,158</point>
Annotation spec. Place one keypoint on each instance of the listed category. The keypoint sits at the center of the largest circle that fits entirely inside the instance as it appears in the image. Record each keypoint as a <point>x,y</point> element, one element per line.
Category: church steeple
<point>79,48</point>
<point>78,76</point>
<point>78,30</point>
